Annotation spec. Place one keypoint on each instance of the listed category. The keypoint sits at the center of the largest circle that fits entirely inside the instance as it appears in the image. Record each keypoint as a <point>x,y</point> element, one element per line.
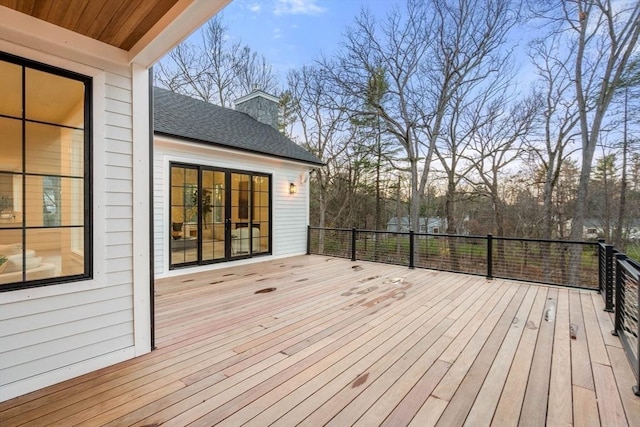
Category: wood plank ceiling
<point>120,23</point>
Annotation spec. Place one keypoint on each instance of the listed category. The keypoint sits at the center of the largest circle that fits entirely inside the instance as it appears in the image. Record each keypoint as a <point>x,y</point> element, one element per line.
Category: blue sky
<point>291,33</point>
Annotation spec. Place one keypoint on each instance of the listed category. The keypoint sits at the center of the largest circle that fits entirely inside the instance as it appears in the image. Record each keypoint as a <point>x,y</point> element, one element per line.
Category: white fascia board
<point>25,30</point>
<point>206,149</point>
<point>183,18</point>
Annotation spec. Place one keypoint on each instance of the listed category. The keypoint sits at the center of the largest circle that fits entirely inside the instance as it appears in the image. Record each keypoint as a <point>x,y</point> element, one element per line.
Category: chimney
<point>261,106</point>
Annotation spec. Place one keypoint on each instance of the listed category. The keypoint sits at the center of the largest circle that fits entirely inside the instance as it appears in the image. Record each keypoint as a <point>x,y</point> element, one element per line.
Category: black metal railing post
<point>308,240</point>
<point>601,266</point>
<point>412,249</point>
<point>617,324</point>
<point>489,256</point>
<point>353,244</point>
<point>605,273</point>
<point>636,388</point>
<point>608,290</point>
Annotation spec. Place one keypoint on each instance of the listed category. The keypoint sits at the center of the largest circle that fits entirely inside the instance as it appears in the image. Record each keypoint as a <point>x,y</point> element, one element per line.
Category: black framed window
<point>45,176</point>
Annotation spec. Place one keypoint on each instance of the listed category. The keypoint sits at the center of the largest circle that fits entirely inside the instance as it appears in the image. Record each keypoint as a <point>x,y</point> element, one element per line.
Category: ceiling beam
<point>183,18</point>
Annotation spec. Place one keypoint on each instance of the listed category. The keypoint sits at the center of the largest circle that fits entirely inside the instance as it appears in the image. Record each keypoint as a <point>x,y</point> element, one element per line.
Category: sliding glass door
<point>184,232</point>
<point>213,215</point>
<point>218,215</point>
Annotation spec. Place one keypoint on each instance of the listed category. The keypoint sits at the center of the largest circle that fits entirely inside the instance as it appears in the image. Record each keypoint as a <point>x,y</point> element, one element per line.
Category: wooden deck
<point>340,343</point>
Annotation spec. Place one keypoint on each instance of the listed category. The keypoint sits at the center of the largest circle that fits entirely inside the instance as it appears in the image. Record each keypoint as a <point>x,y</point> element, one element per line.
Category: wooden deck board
<point>314,385</point>
<point>625,381</point>
<point>510,403</point>
<point>404,398</point>
<point>282,396</point>
<point>373,345</point>
<point>560,404</point>
<point>487,400</point>
<point>610,410</point>
<point>333,359</point>
<point>386,372</point>
<point>595,341</point>
<point>460,405</point>
<point>534,407</point>
<point>581,375</point>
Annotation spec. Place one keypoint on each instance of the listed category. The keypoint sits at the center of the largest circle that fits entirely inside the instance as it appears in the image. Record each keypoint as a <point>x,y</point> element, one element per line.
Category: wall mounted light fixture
<point>292,188</point>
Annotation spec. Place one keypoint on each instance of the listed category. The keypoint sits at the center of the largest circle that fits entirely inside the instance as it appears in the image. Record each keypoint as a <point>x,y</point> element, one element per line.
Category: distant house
<point>593,229</point>
<point>434,225</point>
<point>228,186</point>
<point>634,231</point>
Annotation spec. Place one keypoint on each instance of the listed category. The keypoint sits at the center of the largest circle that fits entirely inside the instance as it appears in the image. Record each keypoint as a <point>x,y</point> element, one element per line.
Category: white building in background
<point>434,225</point>
<point>228,186</point>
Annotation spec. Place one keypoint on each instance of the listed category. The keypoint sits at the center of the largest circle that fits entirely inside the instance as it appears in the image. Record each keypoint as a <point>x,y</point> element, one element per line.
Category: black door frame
<point>229,256</point>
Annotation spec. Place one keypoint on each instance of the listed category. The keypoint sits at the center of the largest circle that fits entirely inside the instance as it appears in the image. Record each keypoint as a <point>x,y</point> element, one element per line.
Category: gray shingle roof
<point>198,121</point>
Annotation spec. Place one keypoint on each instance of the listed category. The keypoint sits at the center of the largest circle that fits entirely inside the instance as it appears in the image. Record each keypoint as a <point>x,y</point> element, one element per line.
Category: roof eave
<point>244,150</point>
<point>182,20</point>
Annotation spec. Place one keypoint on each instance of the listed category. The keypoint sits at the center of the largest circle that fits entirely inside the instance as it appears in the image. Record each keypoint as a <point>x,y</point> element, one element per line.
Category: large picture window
<point>44,174</point>
<point>218,215</point>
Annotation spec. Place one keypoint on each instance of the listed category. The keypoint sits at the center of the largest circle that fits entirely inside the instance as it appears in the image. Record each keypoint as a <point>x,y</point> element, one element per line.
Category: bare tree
<point>215,70</point>
<point>322,126</point>
<point>429,53</point>
<point>496,143</point>
<point>472,66</point>
<point>557,120</point>
<point>396,46</point>
<point>605,36</point>
<point>629,83</point>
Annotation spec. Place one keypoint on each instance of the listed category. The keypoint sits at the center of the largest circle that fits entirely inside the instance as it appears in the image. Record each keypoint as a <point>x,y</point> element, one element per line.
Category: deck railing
<point>627,310</point>
<point>533,260</point>
<point>601,268</point>
<point>619,279</point>
<point>606,274</point>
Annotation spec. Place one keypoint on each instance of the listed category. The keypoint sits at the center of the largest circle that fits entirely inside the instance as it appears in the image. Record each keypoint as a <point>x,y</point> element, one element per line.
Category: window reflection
<point>42,206</point>
<point>217,215</point>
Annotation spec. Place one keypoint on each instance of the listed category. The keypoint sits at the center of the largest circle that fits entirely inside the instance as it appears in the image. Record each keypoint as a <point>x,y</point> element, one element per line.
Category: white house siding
<point>290,212</point>
<point>53,333</point>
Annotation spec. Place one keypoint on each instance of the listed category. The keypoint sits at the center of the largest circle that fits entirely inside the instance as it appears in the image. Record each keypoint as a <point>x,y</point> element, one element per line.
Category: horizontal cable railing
<point>545,261</point>
<point>542,261</point>
<point>331,241</point>
<point>627,311</point>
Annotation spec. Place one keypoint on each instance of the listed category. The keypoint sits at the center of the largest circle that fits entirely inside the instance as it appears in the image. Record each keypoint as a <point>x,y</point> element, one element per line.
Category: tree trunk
<point>322,211</point>
<point>498,212</point>
<point>416,203</point>
<point>398,218</point>
<point>547,223</point>
<point>378,225</point>
<point>617,236</point>
<point>451,225</point>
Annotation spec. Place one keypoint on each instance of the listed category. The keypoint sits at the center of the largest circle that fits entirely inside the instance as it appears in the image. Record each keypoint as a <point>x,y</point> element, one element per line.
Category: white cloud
<point>255,8</point>
<point>277,33</point>
<point>297,7</point>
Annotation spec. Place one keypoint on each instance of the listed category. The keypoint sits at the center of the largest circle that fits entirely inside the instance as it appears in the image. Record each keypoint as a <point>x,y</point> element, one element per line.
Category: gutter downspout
<point>152,299</point>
